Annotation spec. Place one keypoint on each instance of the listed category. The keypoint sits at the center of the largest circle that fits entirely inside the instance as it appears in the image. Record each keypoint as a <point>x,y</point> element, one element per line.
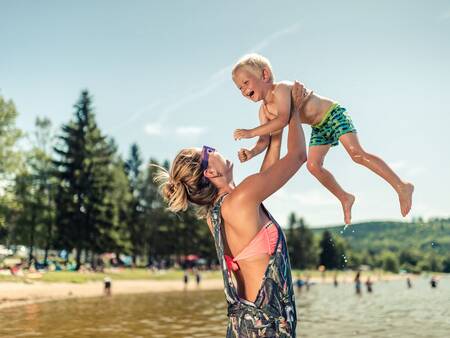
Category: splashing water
<point>345,227</point>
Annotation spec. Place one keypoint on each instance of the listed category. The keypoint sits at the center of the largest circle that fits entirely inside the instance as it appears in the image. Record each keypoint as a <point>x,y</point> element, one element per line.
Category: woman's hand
<point>299,96</point>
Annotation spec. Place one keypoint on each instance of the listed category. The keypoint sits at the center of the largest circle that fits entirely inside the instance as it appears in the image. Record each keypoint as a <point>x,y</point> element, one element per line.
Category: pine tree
<point>161,227</point>
<point>329,256</point>
<point>135,220</point>
<point>306,253</point>
<point>292,239</point>
<point>85,172</point>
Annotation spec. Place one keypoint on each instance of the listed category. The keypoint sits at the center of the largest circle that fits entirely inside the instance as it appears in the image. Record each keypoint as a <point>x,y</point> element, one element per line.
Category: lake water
<point>324,311</point>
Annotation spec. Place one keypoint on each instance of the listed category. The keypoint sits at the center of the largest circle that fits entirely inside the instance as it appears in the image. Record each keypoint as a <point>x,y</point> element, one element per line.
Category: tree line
<point>72,190</point>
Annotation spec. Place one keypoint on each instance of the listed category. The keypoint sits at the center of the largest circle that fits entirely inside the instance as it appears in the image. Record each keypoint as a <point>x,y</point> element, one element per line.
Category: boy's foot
<point>405,198</point>
<point>347,204</point>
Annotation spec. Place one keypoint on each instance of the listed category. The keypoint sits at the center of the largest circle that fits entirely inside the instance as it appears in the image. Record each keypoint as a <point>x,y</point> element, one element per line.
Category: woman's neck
<point>226,189</point>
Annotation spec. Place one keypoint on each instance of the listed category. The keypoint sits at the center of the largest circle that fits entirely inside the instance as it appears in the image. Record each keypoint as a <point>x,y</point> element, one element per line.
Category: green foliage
<point>134,211</point>
<point>418,246</point>
<point>332,254</point>
<point>9,135</point>
<point>389,262</point>
<point>34,189</point>
<point>10,164</point>
<point>302,249</point>
<point>85,169</point>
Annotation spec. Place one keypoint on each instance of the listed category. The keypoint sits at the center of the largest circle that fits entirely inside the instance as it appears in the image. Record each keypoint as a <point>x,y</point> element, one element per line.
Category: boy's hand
<point>242,133</point>
<point>244,155</point>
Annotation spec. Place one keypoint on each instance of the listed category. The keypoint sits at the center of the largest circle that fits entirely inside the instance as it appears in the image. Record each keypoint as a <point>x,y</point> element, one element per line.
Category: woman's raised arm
<point>273,151</point>
<point>256,188</point>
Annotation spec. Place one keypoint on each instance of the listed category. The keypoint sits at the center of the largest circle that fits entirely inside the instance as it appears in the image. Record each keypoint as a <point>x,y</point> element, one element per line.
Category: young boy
<point>329,121</point>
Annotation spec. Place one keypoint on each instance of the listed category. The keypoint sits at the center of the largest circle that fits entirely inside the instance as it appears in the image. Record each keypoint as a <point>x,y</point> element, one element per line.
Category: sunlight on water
<point>391,310</point>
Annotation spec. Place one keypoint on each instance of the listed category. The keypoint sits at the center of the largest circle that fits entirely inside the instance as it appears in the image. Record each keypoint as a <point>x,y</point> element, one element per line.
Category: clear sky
<point>159,72</point>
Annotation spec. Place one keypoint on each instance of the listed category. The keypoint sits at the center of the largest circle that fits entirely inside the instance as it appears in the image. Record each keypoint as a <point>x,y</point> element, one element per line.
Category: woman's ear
<point>211,173</point>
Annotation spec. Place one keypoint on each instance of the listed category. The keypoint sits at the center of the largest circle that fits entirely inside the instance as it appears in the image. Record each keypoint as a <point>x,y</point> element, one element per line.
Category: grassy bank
<point>83,277</point>
<point>144,274</point>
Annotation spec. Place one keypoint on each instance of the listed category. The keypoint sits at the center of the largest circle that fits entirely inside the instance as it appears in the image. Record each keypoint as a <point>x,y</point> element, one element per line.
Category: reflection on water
<point>391,311</point>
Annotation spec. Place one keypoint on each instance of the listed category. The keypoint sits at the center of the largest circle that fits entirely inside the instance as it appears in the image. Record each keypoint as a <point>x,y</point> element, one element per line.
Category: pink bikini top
<point>263,243</point>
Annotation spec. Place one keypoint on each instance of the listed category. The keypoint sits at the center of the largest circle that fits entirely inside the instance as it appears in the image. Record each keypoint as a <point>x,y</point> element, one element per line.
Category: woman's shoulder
<point>237,205</point>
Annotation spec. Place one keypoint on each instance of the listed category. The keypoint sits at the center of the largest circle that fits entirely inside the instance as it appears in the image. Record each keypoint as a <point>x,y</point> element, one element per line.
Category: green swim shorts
<point>334,124</point>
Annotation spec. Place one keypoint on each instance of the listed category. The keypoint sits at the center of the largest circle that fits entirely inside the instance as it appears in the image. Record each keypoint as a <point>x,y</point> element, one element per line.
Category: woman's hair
<point>183,184</point>
<point>255,63</point>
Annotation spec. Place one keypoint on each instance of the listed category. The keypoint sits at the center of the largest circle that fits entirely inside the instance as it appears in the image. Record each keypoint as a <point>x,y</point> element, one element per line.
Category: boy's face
<point>250,85</point>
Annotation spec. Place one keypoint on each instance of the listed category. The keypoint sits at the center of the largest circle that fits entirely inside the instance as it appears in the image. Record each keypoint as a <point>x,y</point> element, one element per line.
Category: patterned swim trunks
<point>335,123</point>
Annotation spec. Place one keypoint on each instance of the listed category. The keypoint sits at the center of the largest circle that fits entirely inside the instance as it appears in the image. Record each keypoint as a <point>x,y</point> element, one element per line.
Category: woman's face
<point>219,166</point>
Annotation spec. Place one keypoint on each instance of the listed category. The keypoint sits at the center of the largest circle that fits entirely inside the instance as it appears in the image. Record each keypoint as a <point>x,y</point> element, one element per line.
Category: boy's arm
<point>261,145</point>
<point>263,140</point>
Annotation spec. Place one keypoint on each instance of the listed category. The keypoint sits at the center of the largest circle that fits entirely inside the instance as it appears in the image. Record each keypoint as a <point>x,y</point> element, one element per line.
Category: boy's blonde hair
<point>255,63</point>
<point>181,185</point>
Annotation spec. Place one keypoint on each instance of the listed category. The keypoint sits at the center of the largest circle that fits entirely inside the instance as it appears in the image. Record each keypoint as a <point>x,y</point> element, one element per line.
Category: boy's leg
<point>316,155</point>
<point>379,167</point>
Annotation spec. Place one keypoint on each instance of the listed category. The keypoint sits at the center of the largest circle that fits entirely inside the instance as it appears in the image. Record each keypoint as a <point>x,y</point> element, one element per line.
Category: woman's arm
<point>256,188</point>
<point>273,152</point>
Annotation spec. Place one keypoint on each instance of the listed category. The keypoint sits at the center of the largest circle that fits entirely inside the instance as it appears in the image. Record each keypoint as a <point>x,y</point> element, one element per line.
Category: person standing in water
<point>408,282</point>
<point>358,283</point>
<point>369,284</point>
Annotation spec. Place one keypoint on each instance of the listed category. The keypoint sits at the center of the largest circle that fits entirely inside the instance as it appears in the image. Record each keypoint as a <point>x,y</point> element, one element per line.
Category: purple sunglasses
<point>204,164</point>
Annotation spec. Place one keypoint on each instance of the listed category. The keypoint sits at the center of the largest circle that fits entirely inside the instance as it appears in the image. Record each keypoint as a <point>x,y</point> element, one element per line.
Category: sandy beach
<point>15,294</point>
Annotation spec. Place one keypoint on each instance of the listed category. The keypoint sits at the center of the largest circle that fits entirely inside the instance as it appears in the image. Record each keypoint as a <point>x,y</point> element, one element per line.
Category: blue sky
<point>159,72</point>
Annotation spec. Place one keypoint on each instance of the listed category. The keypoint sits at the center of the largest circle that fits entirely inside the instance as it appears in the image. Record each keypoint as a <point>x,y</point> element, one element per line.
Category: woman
<point>250,245</point>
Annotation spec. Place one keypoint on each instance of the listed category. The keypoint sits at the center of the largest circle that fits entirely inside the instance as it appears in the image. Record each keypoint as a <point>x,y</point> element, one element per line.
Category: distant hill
<point>431,236</point>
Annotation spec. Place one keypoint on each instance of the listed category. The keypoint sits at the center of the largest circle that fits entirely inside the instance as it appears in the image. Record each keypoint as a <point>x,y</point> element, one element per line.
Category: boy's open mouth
<point>251,93</point>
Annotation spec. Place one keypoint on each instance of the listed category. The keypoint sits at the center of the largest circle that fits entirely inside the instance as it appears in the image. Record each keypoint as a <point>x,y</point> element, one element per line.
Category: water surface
<point>324,311</point>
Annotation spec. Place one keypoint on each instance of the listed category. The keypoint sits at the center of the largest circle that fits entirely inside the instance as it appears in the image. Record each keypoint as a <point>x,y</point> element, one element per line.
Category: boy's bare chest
<point>270,111</point>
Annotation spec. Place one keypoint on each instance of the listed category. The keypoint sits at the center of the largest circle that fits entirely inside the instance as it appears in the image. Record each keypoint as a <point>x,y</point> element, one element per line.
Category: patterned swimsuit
<point>273,314</point>
<point>335,123</point>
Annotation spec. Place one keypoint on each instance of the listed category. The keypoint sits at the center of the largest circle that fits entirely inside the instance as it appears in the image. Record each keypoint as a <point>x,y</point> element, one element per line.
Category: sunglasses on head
<point>206,151</point>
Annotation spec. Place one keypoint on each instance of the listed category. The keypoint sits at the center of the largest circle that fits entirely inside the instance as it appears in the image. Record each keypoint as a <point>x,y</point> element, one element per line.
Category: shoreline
<point>14,294</point>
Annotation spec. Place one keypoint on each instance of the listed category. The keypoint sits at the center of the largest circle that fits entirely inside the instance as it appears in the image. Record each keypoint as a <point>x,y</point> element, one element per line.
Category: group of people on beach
<point>250,244</point>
